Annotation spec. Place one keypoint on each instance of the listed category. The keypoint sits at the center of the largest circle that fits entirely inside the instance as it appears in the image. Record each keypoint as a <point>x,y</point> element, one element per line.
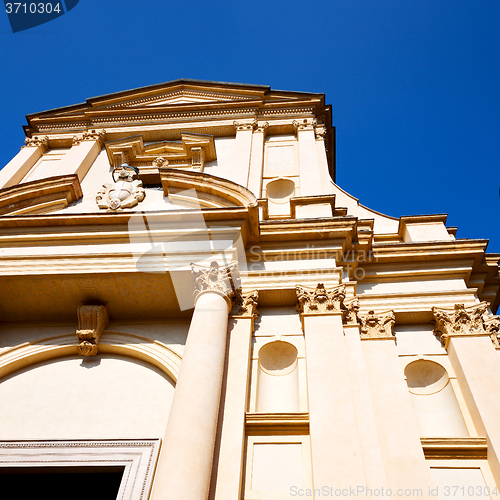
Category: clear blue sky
<point>414,84</point>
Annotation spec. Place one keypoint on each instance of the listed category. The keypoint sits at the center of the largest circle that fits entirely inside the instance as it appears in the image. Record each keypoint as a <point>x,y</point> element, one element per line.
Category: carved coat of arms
<point>125,192</point>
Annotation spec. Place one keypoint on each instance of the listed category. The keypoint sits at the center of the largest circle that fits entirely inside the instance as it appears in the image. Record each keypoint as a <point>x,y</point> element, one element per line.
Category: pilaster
<point>309,172</point>
<point>470,336</point>
<point>228,470</point>
<point>83,153</point>
<point>15,171</point>
<point>242,150</point>
<point>335,447</point>
<point>255,172</point>
<point>396,425</point>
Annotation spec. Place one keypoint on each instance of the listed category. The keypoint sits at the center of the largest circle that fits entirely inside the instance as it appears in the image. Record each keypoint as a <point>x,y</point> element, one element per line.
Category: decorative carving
<point>377,325</point>
<point>245,126</point>
<point>124,193</point>
<point>161,161</point>
<point>216,279</point>
<point>262,127</point>
<point>319,300</point>
<point>460,320</point>
<point>320,132</point>
<point>492,327</point>
<point>92,321</point>
<point>245,304</point>
<point>89,135</point>
<point>351,310</point>
<point>305,124</point>
<point>37,141</point>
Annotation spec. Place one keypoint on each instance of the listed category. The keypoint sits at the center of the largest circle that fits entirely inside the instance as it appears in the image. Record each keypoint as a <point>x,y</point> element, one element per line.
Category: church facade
<point>192,309</point>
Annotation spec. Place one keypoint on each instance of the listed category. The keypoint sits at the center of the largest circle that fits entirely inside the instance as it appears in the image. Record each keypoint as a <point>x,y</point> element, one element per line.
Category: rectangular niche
<point>277,466</point>
<point>99,468</point>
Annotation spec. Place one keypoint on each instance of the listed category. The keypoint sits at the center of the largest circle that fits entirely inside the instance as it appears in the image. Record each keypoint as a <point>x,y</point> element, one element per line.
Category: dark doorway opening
<point>60,483</point>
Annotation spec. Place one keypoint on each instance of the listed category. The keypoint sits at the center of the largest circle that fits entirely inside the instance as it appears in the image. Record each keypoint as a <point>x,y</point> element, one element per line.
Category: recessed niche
<point>280,190</point>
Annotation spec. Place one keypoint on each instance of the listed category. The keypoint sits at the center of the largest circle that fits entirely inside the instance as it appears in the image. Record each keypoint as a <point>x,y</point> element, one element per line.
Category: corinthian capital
<point>351,309</point>
<point>320,300</point>
<point>245,304</point>
<point>92,321</point>
<point>245,125</point>
<point>377,325</point>
<point>90,135</point>
<point>38,141</point>
<point>460,320</point>
<point>215,279</point>
<point>305,124</point>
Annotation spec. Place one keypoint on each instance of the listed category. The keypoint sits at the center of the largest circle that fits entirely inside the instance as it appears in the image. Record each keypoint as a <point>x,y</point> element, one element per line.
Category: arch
<point>211,190</point>
<point>125,344</point>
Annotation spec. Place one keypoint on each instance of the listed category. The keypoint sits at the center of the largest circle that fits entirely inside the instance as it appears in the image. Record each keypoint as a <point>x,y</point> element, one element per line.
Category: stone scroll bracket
<point>92,321</point>
<point>466,321</point>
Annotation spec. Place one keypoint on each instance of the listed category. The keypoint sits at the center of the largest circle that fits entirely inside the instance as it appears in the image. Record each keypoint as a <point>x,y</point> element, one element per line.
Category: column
<point>335,448</point>
<point>241,152</point>
<point>371,453</point>
<point>309,172</point>
<point>83,153</point>
<point>470,336</point>
<point>185,463</point>
<point>229,469</point>
<point>15,171</point>
<point>255,172</point>
<point>401,449</point>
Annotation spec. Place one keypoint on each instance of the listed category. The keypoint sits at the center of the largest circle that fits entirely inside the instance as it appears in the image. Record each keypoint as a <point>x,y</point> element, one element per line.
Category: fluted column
<point>185,463</point>
<point>82,154</point>
<point>470,335</point>
<point>229,472</point>
<point>335,449</point>
<point>398,434</point>
<point>15,171</point>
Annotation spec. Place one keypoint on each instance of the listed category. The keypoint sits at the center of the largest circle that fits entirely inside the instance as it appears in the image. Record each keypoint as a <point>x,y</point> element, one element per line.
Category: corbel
<point>92,321</point>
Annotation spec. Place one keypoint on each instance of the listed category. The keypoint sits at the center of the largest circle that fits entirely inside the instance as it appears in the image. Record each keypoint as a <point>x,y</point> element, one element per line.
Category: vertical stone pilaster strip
<point>470,337</point>
<point>335,447</point>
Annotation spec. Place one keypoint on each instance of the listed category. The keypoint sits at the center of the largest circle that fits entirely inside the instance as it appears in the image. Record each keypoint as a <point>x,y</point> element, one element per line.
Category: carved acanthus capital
<point>92,321</point>
<point>492,327</point>
<point>377,325</point>
<point>320,300</point>
<point>305,124</point>
<point>38,141</point>
<point>320,132</point>
<point>460,320</point>
<point>160,162</point>
<point>90,135</point>
<point>261,127</point>
<point>215,278</point>
<point>351,309</point>
<point>245,125</point>
<point>245,304</point>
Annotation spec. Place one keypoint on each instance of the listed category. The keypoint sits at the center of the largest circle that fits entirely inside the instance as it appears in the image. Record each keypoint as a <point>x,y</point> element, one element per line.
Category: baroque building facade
<point>191,303</point>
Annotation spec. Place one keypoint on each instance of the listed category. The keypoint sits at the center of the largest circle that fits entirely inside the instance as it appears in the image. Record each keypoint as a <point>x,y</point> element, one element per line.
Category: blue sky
<point>414,84</point>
